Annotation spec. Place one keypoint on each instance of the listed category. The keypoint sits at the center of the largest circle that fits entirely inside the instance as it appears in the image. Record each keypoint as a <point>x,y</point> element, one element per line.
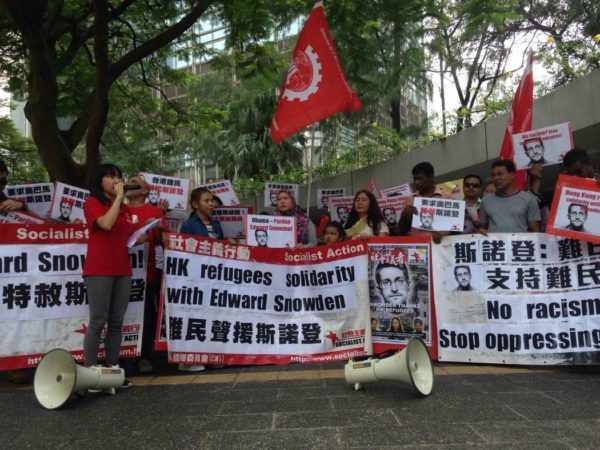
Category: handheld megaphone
<point>57,376</point>
<point>412,365</point>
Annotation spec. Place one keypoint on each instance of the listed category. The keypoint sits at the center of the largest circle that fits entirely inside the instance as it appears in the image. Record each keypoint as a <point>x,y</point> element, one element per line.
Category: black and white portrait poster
<point>439,214</point>
<point>272,189</point>
<point>542,146</point>
<point>67,204</point>
<point>323,196</point>
<point>271,231</point>
<point>575,211</point>
<point>162,187</point>
<point>522,298</point>
<point>400,291</point>
<point>403,190</point>
<point>340,207</point>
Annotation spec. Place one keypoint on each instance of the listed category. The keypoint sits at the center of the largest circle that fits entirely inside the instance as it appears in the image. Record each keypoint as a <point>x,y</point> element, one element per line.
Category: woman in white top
<point>365,218</point>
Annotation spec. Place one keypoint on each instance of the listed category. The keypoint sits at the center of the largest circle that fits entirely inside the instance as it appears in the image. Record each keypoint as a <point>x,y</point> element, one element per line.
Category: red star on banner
<point>82,330</point>
<point>332,336</point>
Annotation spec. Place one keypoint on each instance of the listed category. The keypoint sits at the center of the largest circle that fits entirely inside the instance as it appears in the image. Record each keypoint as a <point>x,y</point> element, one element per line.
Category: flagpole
<point>310,158</point>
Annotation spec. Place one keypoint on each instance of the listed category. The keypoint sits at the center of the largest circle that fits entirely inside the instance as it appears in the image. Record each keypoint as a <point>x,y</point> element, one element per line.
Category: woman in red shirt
<point>107,270</point>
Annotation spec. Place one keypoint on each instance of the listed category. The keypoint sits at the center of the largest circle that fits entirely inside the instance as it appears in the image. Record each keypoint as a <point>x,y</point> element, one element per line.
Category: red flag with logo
<point>315,86</point>
<point>520,117</point>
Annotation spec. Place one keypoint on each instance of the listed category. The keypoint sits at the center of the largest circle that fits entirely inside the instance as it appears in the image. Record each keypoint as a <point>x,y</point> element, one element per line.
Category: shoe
<point>191,367</point>
<point>126,384</point>
<point>145,366</point>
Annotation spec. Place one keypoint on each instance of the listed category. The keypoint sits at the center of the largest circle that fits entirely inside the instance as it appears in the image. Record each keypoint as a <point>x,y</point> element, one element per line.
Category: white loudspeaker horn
<point>58,376</point>
<point>412,365</point>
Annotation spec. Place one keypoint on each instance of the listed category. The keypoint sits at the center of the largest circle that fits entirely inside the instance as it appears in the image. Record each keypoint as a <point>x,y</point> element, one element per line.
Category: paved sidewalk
<point>472,406</point>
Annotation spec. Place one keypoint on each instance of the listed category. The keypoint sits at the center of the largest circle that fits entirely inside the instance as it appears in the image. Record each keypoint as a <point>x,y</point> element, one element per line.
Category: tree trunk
<point>395,114</point>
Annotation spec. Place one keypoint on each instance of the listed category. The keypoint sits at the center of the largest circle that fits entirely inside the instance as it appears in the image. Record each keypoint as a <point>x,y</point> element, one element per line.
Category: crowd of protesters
<point>113,213</point>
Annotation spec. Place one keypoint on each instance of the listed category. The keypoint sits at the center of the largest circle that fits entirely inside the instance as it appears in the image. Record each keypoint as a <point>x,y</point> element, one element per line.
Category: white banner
<point>18,217</point>
<point>244,305</point>
<point>404,190</point>
<point>526,298</point>
<point>44,299</point>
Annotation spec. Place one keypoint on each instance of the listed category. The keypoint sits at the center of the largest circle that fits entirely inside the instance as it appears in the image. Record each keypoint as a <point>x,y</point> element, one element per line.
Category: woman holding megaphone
<point>107,269</point>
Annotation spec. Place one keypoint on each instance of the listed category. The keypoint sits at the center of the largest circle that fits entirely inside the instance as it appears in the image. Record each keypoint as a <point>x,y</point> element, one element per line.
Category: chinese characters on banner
<point>67,203</point>
<point>271,231</point>
<point>224,190</point>
<point>527,298</point>
<point>323,196</point>
<point>240,305</point>
<point>542,146</point>
<point>400,292</point>
<point>233,221</point>
<point>44,301</point>
<point>439,214</point>
<point>175,190</point>
<point>272,189</point>
<point>38,196</point>
<point>575,209</point>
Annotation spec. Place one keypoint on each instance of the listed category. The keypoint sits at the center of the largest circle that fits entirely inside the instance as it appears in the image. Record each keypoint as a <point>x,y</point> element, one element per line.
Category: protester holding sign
<point>107,269</point>
<point>365,218</point>
<point>306,235</point>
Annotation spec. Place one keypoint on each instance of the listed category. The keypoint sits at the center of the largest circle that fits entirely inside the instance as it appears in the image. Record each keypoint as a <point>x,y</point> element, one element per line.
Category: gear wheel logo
<point>304,76</point>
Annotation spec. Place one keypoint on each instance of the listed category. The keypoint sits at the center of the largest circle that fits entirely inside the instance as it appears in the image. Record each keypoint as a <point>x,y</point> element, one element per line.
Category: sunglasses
<point>471,185</point>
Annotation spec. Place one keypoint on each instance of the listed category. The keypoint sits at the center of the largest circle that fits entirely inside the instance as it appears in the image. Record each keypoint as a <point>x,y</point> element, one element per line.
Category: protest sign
<point>242,305</point>
<point>175,190</point>
<point>340,207</point>
<point>224,190</point>
<point>575,211</point>
<point>67,203</point>
<point>400,292</point>
<point>37,196</point>
<point>323,196</point>
<point>542,146</point>
<point>44,300</point>
<point>438,214</point>
<point>523,298</point>
<point>391,208</point>
<point>19,217</point>
<point>272,189</point>
<point>373,188</point>
<point>233,221</point>
<point>404,190</point>
<point>271,231</point>
<point>175,218</point>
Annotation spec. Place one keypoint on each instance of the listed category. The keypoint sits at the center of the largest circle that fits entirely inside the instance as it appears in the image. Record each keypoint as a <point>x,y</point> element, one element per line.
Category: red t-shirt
<point>139,215</point>
<point>107,252</point>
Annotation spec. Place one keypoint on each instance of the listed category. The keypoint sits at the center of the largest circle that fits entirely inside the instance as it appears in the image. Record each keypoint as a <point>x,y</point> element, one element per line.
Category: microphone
<point>131,187</point>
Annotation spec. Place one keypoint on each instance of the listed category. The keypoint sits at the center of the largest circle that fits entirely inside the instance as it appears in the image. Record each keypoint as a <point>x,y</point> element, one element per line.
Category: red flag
<point>315,86</point>
<point>520,117</point>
